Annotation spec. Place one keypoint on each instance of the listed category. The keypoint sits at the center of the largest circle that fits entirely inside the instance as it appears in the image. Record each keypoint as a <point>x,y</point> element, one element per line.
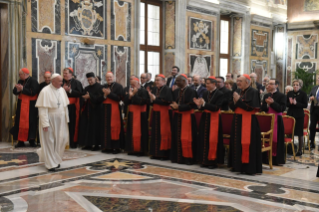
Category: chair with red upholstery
<point>266,124</point>
<point>284,113</point>
<point>306,129</point>
<point>227,121</point>
<point>198,116</point>
<point>289,125</point>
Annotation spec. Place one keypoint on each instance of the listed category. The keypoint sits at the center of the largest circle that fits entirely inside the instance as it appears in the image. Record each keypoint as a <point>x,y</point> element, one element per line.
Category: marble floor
<point>94,181</point>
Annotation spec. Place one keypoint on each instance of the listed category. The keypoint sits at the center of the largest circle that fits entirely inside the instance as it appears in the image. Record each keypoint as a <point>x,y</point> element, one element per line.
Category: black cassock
<point>76,92</point>
<point>249,101</point>
<point>42,85</point>
<point>117,94</point>
<point>141,98</point>
<point>164,97</point>
<point>184,98</point>
<point>226,99</point>
<point>30,89</point>
<point>213,103</point>
<point>90,122</point>
<point>279,106</point>
<point>318,171</point>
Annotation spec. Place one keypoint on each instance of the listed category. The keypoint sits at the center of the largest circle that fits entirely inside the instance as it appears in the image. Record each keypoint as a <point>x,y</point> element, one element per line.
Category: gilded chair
<point>266,124</point>
<point>289,125</point>
<point>306,129</point>
<point>227,122</point>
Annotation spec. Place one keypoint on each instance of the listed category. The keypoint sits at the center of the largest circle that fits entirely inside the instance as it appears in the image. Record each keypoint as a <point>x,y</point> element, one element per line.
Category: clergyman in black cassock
<point>184,129</point>
<point>136,99</point>
<point>211,149</point>
<point>74,90</point>
<point>161,97</point>
<point>227,97</point>
<point>90,123</point>
<point>112,132</point>
<point>47,80</point>
<point>25,125</point>
<point>314,113</point>
<point>275,103</point>
<point>245,142</point>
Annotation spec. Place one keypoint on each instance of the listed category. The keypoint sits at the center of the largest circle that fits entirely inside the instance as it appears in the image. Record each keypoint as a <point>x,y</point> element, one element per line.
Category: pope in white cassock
<point>53,123</point>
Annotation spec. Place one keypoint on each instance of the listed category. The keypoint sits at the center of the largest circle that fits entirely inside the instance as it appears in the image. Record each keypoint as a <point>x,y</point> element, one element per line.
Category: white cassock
<point>52,104</point>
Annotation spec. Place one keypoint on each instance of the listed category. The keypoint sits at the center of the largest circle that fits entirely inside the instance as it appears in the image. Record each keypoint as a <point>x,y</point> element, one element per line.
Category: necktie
<point>317,96</point>
<point>173,81</point>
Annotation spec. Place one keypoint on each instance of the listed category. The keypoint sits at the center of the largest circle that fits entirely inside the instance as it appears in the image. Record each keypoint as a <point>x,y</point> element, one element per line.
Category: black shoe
<point>312,146</point>
<point>106,151</point>
<point>32,143</point>
<point>73,145</point>
<point>87,148</point>
<point>96,148</point>
<point>212,167</point>
<point>299,153</point>
<point>52,170</point>
<point>115,151</point>
<point>20,144</point>
<point>58,166</point>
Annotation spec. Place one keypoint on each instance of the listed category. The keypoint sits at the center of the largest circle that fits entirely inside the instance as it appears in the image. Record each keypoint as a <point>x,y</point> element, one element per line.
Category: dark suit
<point>149,84</point>
<point>200,91</point>
<point>314,114</point>
<point>259,86</point>
<point>227,97</point>
<point>168,83</point>
<point>296,111</point>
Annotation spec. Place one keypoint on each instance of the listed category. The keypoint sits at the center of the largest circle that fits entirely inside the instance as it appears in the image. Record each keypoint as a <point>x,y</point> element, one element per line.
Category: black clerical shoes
<point>20,144</point>
<point>312,146</point>
<point>32,143</point>
<point>52,170</point>
<point>299,153</point>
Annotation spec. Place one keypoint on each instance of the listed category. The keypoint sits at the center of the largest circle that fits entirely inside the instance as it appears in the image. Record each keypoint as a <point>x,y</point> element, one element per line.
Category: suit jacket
<point>227,97</point>
<point>313,93</point>
<point>200,91</point>
<point>149,84</point>
<point>296,111</point>
<point>169,81</point>
<point>259,86</point>
<point>279,104</point>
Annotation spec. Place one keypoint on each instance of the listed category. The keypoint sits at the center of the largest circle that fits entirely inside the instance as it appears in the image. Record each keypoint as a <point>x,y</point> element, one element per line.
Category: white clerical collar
<point>53,87</point>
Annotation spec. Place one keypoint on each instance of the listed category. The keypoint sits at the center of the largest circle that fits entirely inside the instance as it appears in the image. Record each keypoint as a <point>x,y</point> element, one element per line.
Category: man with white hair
<point>245,143</point>
<point>112,124</point>
<point>53,123</point>
<point>25,124</point>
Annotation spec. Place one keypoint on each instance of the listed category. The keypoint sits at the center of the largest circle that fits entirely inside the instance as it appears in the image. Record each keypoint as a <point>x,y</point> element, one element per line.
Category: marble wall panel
<point>200,34</point>
<point>259,43</point>
<point>121,60</point>
<point>169,62</point>
<point>306,46</point>
<point>46,16</point>
<point>5,79</point>
<point>237,25</point>
<point>169,25</point>
<point>302,10</point>
<point>260,68</point>
<point>85,18</point>
<point>289,76</point>
<point>311,5</point>
<point>86,58</point>
<point>121,20</point>
<point>200,65</point>
<point>46,56</point>
<point>279,73</point>
<point>307,66</point>
<point>289,54</point>
<point>236,66</point>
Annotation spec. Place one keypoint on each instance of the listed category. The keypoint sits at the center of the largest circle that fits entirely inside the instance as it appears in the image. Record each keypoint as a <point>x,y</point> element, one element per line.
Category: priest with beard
<point>274,102</point>
<point>74,90</point>
<point>245,142</point>
<point>47,80</point>
<point>161,97</point>
<point>26,119</point>
<point>53,113</point>
<point>90,123</point>
<point>184,129</point>
<point>112,132</point>
<point>210,143</point>
<point>136,99</point>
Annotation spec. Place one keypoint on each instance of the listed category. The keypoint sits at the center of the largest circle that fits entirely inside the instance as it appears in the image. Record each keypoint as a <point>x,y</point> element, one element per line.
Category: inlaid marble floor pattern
<point>94,181</point>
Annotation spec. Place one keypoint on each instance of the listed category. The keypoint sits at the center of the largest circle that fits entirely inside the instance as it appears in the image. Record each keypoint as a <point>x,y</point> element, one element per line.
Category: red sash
<point>136,127</point>
<point>166,133</point>
<point>186,133</point>
<point>24,116</point>
<point>275,137</point>
<point>245,133</point>
<point>76,101</point>
<point>213,134</point>
<point>115,118</point>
